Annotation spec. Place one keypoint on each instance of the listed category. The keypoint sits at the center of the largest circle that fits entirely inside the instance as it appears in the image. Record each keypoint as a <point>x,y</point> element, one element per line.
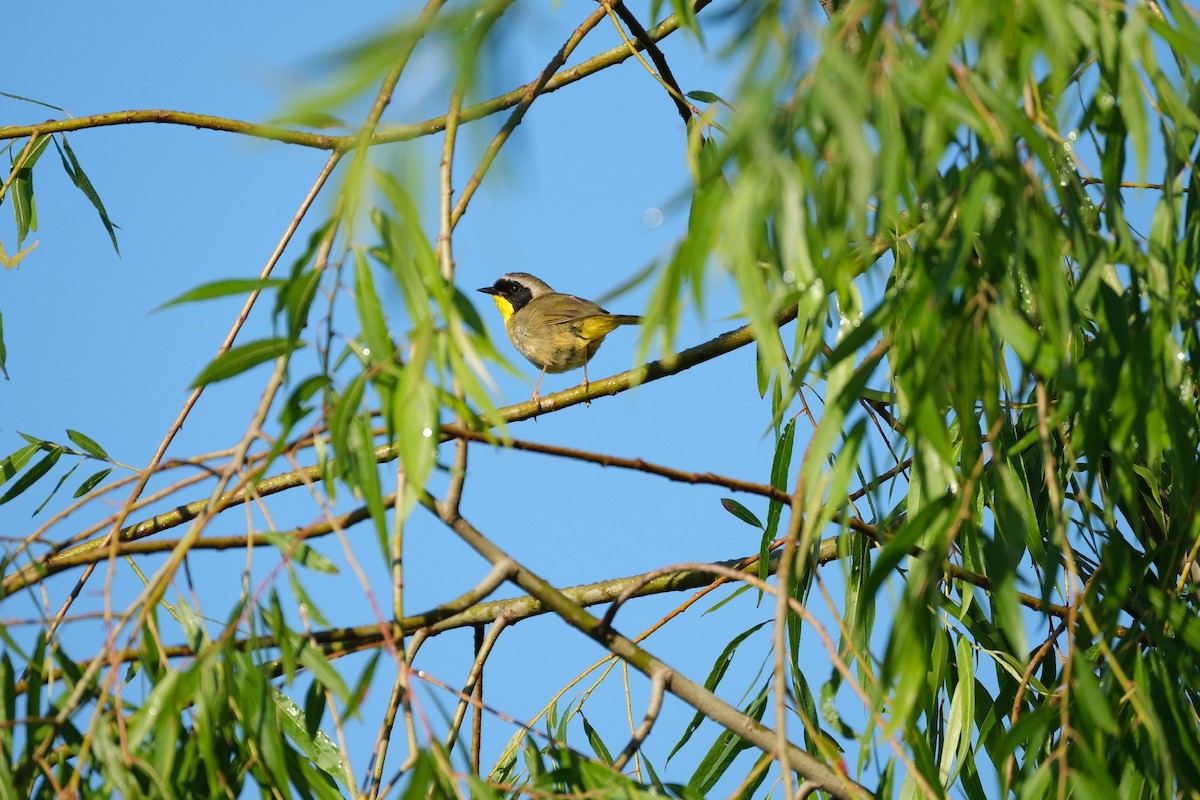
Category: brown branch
<point>386,135</point>
<point>532,90</point>
<point>637,464</point>
<point>656,55</point>
<point>470,695</point>
<point>690,692</point>
<point>655,370</point>
<point>342,641</point>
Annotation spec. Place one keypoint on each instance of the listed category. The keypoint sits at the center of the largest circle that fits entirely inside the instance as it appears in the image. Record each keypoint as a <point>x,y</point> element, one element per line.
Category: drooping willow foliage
<point>965,239</point>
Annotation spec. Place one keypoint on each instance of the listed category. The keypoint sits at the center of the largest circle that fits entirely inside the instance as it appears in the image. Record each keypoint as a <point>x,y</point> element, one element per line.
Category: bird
<point>554,331</point>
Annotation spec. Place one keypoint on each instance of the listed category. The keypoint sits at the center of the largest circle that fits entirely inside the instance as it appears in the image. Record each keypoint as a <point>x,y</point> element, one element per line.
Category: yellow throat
<point>506,308</point>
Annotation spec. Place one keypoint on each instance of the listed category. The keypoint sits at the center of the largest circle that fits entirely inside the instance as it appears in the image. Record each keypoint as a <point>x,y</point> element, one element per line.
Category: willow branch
<point>684,688</point>
<point>658,685</point>
<point>647,42</point>
<point>342,143</point>
<point>647,373</point>
<point>483,649</point>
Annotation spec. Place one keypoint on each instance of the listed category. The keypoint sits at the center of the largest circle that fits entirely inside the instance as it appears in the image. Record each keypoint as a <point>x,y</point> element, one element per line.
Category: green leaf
<point>370,312</point>
<point>14,462</point>
<point>300,553</point>
<point>727,746</point>
<point>362,686</point>
<point>32,475</point>
<point>960,718</point>
<point>222,288</point>
<point>714,678</point>
<point>295,408</point>
<point>594,739</point>
<point>34,683</point>
<point>314,708</point>
<point>780,467</point>
<point>91,482</point>
<point>239,359</point>
<point>1090,699</point>
<point>8,704</point>
<point>741,512</point>
<point>75,171</point>
<point>302,598</point>
<point>317,747</point>
<point>21,191</point>
<point>318,663</point>
<point>169,694</point>
<point>3,349</point>
<point>58,485</point>
<point>87,444</point>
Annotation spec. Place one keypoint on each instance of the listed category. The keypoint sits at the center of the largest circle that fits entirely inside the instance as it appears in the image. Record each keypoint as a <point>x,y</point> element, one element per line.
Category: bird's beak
<point>487,290</point>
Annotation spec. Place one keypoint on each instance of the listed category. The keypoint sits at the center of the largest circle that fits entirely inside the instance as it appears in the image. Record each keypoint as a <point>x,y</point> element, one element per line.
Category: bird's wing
<point>570,309</point>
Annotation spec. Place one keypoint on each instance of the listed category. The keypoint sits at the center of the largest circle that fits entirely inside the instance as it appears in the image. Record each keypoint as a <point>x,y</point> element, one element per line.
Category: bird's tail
<point>604,324</point>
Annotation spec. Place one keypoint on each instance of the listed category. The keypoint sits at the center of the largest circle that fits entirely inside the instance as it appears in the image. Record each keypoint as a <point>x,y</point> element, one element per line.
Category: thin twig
<point>647,373</point>
<point>690,692</point>
<point>531,93</point>
<point>379,754</point>
<point>341,144</point>
<point>658,685</point>
<point>656,55</point>
<point>796,607</point>
<point>483,649</point>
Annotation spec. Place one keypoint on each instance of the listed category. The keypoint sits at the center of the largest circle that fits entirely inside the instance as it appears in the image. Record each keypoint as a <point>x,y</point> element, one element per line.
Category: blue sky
<point>572,199</point>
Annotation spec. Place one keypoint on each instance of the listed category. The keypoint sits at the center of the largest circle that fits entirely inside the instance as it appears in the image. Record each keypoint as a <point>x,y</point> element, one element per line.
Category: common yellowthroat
<point>555,331</point>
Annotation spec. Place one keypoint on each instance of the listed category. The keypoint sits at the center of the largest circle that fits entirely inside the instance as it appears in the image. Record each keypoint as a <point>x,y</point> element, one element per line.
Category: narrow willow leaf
<point>3,349</point>
<point>57,485</point>
<point>239,359</point>
<point>286,639</point>
<point>1090,699</point>
<point>32,475</point>
<point>314,708</point>
<point>21,191</point>
<point>8,703</point>
<point>75,171</point>
<point>14,462</point>
<point>318,747</point>
<point>170,693</point>
<point>302,597</point>
<point>318,663</point>
<point>957,731</point>
<point>704,97</point>
<point>780,468</point>
<point>594,739</point>
<point>87,444</point>
<point>370,312</point>
<point>91,482</point>
<point>741,512</point>
<point>296,298</point>
<point>296,408</point>
<point>222,288</point>
<point>34,683</point>
<point>364,476</point>
<point>300,553</point>
<point>714,678</point>
<point>727,746</point>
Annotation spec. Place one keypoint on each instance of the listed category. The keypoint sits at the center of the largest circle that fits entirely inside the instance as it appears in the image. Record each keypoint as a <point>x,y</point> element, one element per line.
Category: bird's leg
<point>585,384</point>
<point>537,398</point>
